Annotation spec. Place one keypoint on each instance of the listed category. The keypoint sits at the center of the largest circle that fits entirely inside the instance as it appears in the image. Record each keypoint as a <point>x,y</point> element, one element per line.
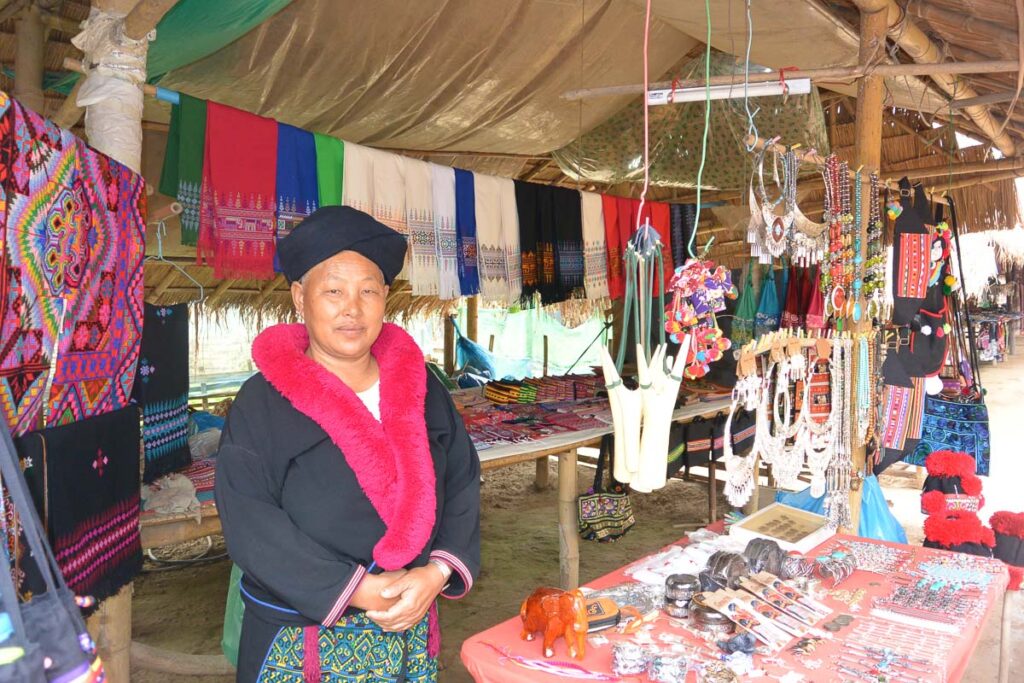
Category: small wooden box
<point>792,528</point>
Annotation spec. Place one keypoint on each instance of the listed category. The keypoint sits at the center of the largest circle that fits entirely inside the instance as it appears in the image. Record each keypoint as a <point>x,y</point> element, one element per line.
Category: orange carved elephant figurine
<point>556,613</point>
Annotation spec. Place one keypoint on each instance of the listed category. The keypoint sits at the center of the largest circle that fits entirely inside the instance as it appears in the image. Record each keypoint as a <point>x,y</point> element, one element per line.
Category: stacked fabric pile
<point>245,181</point>
<point>492,425</point>
<point>544,389</point>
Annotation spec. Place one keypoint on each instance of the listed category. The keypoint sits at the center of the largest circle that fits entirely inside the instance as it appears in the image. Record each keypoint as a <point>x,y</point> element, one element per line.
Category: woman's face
<point>342,303</point>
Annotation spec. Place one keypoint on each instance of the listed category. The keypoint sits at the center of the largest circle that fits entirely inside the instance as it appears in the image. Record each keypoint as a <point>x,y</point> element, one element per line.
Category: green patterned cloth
<point>330,167</point>
<point>610,153</point>
<point>354,651</point>
<point>182,175</point>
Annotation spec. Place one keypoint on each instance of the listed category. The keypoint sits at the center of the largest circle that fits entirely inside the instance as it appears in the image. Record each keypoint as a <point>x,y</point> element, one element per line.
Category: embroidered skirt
<point>356,650</point>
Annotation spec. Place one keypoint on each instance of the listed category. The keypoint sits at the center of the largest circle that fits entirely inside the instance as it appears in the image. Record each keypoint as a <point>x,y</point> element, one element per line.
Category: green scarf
<point>182,175</point>
<point>330,166</point>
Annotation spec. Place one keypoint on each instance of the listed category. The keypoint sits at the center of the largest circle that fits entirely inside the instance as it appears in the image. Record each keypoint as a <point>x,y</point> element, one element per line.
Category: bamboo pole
<point>28,59</point>
<point>568,534</point>
<point>163,285</point>
<point>868,154</point>
<point>449,346</point>
<point>905,32</point>
<point>830,75</point>
<point>269,289</point>
<point>472,316</point>
<point>219,292</point>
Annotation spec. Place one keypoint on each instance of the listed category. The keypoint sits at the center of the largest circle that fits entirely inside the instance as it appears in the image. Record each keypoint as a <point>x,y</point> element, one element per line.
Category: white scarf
<point>595,260</point>
<point>419,207</point>
<point>497,236</point>
<point>442,181</point>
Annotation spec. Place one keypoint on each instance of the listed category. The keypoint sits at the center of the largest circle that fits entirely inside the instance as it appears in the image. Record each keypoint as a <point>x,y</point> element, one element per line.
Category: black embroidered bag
<point>604,514</point>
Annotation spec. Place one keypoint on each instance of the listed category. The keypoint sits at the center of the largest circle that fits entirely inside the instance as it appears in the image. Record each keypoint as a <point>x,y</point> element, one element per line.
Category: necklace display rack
<point>804,424</point>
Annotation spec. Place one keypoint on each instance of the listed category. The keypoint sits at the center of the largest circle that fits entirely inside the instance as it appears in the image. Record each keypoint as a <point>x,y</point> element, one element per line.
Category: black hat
<point>333,229</point>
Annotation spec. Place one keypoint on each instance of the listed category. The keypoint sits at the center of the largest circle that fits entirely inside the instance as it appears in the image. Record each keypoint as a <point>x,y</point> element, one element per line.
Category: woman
<point>347,485</point>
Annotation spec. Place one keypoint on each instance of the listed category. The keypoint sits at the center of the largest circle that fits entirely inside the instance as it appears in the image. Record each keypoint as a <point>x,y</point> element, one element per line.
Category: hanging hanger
<point>161,232</point>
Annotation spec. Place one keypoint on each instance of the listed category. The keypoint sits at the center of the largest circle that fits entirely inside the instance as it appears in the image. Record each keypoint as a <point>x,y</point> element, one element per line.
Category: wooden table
<point>565,446</point>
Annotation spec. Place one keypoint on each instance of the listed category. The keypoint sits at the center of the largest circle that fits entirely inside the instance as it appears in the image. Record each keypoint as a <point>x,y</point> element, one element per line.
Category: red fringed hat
<point>1009,535</point>
<point>959,531</point>
<point>951,476</point>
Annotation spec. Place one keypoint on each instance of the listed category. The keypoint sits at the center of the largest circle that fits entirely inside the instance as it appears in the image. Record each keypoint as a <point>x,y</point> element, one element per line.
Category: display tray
<point>792,528</point>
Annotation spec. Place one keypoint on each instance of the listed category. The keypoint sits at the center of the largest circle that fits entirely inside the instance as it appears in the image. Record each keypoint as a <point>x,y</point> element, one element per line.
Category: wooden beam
<point>163,285</point>
<point>70,113</point>
<point>269,288</point>
<point>220,290</point>
<point>472,317</point>
<point>449,346</point>
<point>938,190</point>
<point>829,75</point>
<point>991,98</point>
<point>56,22</point>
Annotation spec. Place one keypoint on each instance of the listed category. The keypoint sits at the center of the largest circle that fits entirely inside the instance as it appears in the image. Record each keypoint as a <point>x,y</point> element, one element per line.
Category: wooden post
<point>568,534</point>
<point>28,59</point>
<point>868,154</point>
<point>545,355</point>
<point>540,482</point>
<point>490,344</point>
<point>449,346</point>
<point>473,317</point>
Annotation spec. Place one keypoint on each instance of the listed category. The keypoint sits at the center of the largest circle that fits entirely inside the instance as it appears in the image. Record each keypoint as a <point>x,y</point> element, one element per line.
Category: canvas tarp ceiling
<point>471,75</point>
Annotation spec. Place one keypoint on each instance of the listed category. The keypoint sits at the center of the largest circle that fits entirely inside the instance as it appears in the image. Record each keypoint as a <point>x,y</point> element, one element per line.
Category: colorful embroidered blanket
<point>84,478</point>
<point>330,168</point>
<point>595,255</point>
<point>237,221</point>
<point>419,205</point>
<point>42,253</point>
<point>161,388</point>
<point>297,190</point>
<point>442,182</point>
<point>497,231</point>
<point>182,174</point>
<point>99,341</point>
<point>465,228</point>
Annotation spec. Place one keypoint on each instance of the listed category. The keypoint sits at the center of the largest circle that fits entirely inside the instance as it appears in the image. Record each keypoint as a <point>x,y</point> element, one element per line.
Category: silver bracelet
<point>446,570</point>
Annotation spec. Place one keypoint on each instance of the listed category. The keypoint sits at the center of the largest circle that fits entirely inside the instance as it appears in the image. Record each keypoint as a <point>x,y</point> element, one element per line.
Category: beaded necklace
<point>838,474</point>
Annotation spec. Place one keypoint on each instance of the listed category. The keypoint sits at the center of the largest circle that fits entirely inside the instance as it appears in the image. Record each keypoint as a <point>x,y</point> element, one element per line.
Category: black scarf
<point>84,478</point>
<point>161,388</point>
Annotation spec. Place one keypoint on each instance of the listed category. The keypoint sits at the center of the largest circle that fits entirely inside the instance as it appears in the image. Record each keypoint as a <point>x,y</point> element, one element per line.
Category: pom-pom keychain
<point>893,209</point>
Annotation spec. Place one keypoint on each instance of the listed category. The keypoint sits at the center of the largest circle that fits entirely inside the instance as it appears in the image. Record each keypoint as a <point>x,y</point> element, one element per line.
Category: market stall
<point>866,629</point>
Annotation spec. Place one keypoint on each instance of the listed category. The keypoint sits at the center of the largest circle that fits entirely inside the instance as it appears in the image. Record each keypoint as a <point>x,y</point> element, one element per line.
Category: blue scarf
<point>297,191</point>
<point>465,226</point>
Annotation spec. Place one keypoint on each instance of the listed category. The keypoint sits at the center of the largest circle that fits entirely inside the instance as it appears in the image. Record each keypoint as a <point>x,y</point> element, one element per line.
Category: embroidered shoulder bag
<point>959,423</point>
<point>604,514</point>
<point>768,311</point>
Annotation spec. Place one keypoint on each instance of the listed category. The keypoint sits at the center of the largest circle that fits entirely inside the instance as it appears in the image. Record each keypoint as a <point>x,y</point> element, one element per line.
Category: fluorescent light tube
<point>795,86</point>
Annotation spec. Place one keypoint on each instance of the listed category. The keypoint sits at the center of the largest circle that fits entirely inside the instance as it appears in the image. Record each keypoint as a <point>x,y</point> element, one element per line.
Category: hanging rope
<point>707,125</point>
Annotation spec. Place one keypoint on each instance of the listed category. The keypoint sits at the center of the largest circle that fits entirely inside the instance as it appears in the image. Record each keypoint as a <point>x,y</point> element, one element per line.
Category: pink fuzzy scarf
<point>391,458</point>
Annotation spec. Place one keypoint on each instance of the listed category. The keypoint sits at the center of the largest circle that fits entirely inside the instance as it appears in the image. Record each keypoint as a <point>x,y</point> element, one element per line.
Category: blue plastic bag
<point>876,519</point>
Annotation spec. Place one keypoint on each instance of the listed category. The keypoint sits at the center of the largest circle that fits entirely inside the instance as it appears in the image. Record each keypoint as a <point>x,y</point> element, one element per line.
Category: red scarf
<point>237,217</point>
<point>391,458</point>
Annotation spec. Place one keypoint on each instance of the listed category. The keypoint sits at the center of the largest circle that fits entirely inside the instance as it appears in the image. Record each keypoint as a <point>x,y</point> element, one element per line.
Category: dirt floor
<point>183,609</point>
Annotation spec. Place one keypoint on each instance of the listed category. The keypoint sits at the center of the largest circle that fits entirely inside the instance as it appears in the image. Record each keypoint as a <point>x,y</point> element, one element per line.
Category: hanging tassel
<point>311,654</point>
<point>433,633</point>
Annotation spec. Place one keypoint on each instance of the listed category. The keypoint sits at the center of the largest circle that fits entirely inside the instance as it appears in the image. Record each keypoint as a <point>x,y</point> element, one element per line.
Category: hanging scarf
<point>465,227</point>
<point>84,478</point>
<point>595,259</point>
<point>767,318</point>
<point>683,216</point>
<point>614,246</point>
<point>497,238</point>
<point>793,314</point>
<point>182,174</point>
<point>442,185</point>
<point>814,302</point>
<point>568,223</point>
<point>330,168</point>
<point>419,205</point>
<point>237,222</point>
<point>529,233</point>
<point>297,190</point>
<point>161,388</point>
<point>98,349</point>
<point>389,191</point>
<point>41,259</point>
<point>742,330</point>
<point>357,188</point>
<point>391,458</point>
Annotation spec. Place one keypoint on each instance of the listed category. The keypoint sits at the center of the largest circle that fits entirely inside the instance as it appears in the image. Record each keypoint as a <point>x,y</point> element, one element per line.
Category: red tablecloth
<point>485,653</point>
